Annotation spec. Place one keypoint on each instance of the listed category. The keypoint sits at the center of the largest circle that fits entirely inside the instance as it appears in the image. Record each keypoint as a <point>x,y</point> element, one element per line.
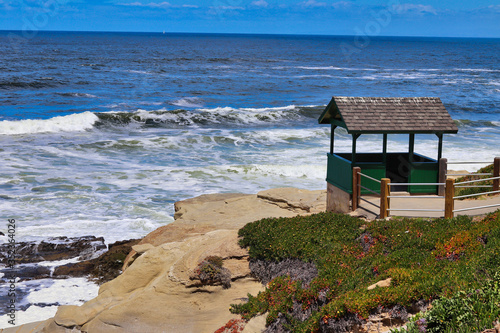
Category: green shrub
<point>426,259</point>
<point>210,271</point>
<point>474,310</point>
<point>474,190</point>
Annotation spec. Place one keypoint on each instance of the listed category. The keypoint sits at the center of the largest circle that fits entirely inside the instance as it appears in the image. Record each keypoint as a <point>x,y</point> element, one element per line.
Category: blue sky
<point>455,18</point>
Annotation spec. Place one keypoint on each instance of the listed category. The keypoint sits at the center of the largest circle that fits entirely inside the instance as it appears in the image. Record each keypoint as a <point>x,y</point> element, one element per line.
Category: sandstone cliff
<point>156,291</point>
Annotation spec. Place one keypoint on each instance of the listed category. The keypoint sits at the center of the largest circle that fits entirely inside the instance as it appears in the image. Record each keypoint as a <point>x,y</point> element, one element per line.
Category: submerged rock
<point>52,249</point>
<point>26,272</point>
<point>109,265</point>
<point>102,269</point>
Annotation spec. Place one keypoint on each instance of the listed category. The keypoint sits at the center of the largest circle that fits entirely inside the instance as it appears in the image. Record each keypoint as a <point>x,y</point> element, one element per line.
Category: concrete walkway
<point>369,206</point>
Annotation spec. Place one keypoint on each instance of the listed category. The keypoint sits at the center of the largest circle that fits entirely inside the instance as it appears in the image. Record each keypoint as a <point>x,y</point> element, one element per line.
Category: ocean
<point>100,133</point>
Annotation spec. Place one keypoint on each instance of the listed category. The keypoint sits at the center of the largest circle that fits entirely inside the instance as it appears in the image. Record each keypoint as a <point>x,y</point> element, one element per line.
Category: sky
<point>435,18</point>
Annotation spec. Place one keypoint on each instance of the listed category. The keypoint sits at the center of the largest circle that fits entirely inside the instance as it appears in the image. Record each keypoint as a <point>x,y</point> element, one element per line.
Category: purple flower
<point>422,325</point>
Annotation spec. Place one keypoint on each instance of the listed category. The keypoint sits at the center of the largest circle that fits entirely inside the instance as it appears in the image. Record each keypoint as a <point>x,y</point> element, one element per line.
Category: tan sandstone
<point>155,293</point>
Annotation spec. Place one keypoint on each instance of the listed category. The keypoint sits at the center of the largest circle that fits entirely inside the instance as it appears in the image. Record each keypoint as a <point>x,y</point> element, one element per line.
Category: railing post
<point>384,201</point>
<point>449,202</point>
<point>496,173</point>
<point>443,169</point>
<point>356,189</point>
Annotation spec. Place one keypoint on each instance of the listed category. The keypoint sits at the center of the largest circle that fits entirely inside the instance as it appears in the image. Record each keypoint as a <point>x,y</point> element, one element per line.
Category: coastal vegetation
<point>425,260</point>
<point>474,190</point>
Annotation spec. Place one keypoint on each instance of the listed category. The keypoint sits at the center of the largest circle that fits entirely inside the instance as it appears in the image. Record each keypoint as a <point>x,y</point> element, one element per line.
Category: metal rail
<point>475,194</point>
<point>472,186</point>
<point>416,196</point>
<point>470,174</point>
<point>472,208</point>
<point>477,180</point>
<point>468,162</point>
<point>375,180</point>
<point>422,184</point>
<point>415,210</point>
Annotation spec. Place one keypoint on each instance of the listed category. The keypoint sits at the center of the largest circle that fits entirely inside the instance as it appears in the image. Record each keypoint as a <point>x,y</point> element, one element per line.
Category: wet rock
<point>26,272</point>
<point>109,265</point>
<point>102,269</point>
<point>52,249</point>
<point>79,269</point>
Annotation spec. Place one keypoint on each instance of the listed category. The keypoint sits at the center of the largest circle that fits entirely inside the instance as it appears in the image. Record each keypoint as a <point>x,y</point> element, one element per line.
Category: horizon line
<point>244,33</point>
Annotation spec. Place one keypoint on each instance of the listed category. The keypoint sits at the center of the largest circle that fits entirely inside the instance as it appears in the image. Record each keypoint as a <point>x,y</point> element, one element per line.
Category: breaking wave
<point>72,123</point>
<point>209,116</point>
<point>180,118</point>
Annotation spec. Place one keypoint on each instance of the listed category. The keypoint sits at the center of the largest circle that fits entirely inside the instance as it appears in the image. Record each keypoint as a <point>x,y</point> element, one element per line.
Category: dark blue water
<point>63,73</point>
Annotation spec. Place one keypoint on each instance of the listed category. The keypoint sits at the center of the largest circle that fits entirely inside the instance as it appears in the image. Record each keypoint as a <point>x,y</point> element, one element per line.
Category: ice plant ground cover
<point>427,260</point>
<point>466,311</point>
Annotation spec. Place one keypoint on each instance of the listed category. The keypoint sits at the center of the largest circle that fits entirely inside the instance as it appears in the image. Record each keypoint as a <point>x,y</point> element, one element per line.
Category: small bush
<point>210,271</point>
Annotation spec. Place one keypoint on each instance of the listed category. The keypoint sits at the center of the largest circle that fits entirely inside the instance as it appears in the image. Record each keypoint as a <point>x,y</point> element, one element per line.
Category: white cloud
<point>260,3</point>
<point>313,4</point>
<point>157,5</point>
<point>342,4</point>
<point>413,8</point>
<point>231,8</point>
<point>151,4</point>
<point>495,8</point>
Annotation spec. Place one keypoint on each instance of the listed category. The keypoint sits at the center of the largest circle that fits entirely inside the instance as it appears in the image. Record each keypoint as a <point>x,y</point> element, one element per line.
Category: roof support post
<point>332,139</point>
<point>412,147</point>
<point>384,149</point>
<point>354,138</point>
<point>440,145</point>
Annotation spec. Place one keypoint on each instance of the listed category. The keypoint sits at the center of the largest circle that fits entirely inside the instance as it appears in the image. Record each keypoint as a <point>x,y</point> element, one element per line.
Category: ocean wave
<point>476,123</point>
<point>44,82</point>
<point>71,123</point>
<point>306,171</point>
<point>209,116</point>
<point>188,102</point>
<point>335,68</point>
<point>72,94</point>
<point>133,71</point>
<point>487,70</point>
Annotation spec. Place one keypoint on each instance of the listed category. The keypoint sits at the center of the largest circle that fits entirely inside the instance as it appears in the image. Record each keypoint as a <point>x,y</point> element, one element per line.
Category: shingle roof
<point>389,115</point>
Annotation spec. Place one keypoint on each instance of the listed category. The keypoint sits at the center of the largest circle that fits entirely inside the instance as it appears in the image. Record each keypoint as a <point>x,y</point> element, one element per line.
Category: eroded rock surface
<point>155,292</point>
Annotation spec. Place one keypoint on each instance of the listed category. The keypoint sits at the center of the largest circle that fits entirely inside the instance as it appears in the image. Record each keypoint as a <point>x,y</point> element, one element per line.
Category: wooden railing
<point>447,193</point>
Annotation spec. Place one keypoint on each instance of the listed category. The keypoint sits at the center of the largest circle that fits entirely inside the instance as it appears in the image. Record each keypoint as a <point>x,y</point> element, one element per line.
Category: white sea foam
<point>71,123</point>
<point>487,70</point>
<point>219,115</point>
<point>189,102</point>
<point>73,291</point>
<point>77,94</point>
<point>335,68</point>
<point>133,71</point>
<point>321,67</point>
<point>287,171</point>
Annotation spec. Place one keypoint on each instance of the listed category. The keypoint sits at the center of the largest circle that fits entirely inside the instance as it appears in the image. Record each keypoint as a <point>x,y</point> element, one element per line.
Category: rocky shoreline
<point>63,257</point>
<point>159,290</point>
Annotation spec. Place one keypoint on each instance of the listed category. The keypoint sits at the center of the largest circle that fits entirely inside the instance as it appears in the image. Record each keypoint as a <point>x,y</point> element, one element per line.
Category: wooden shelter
<point>380,115</point>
